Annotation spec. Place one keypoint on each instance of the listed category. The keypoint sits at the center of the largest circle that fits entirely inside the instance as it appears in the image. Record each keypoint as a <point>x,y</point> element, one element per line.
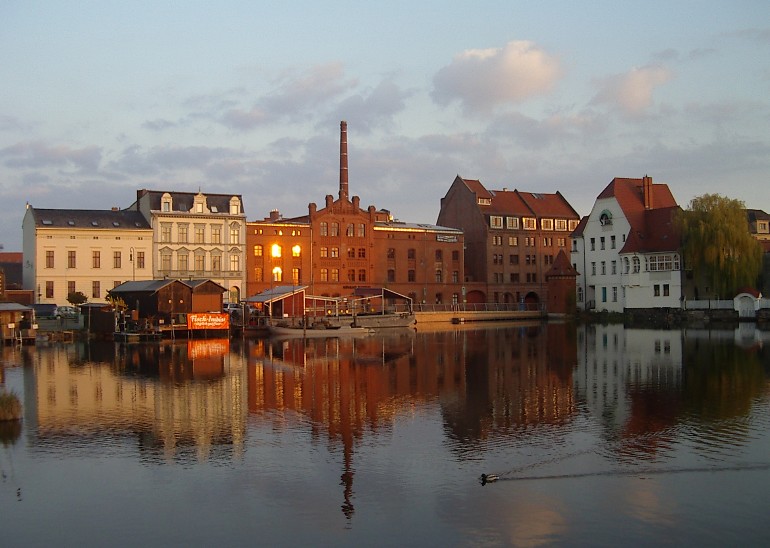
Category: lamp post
<point>295,252</point>
<point>133,264</point>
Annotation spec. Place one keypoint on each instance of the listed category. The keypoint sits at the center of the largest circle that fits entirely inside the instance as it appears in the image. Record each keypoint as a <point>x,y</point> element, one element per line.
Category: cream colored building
<point>197,236</point>
<point>88,251</point>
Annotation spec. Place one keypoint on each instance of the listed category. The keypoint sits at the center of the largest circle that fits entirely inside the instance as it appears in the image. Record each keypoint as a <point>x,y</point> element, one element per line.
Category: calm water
<point>599,436</point>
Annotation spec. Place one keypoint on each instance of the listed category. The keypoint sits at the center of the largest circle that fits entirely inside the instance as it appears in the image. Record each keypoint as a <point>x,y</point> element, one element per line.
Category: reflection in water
<point>538,402</point>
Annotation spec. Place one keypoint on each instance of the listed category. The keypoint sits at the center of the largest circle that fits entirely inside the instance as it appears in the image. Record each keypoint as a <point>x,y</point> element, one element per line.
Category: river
<point>595,436</point>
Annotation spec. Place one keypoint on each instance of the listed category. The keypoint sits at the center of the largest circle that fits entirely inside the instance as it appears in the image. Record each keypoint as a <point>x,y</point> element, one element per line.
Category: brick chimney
<point>343,160</point>
<point>647,192</point>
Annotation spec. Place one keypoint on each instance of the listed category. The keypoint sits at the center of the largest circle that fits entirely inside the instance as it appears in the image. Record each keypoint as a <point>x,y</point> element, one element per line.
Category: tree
<point>76,298</point>
<point>717,245</point>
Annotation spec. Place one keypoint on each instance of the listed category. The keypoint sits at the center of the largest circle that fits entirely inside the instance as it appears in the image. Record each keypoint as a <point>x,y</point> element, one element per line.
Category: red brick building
<point>340,247</point>
<point>512,239</point>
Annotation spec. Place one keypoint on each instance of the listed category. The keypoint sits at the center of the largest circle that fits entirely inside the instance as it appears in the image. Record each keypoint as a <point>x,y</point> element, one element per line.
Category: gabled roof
<point>656,232</point>
<point>757,215</point>
<point>561,266</point>
<point>548,205</point>
<point>183,201</point>
<point>152,286</point>
<point>89,218</point>
<point>580,228</point>
<point>518,203</point>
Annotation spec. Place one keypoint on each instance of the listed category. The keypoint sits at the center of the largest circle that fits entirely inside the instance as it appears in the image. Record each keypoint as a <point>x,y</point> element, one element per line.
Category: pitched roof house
<point>627,250</point>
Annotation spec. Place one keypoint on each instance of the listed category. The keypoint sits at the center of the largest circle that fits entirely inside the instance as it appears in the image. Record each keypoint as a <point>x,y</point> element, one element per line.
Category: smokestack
<point>343,160</point>
<point>647,191</point>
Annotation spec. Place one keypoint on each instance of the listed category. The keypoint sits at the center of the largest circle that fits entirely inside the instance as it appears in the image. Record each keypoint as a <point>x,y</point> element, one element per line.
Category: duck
<point>489,478</point>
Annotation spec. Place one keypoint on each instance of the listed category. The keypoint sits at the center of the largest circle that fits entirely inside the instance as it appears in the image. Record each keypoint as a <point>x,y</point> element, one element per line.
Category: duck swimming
<point>488,478</point>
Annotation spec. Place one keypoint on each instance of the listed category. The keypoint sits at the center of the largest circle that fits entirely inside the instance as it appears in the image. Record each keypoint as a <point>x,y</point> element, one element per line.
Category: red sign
<point>208,320</point>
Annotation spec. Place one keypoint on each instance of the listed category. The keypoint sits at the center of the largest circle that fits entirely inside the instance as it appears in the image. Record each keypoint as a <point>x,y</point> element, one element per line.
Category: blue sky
<point>99,99</point>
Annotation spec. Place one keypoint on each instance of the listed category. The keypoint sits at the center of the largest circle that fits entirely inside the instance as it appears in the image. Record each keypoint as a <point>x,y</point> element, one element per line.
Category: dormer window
<point>235,206</point>
<point>605,219</point>
<point>496,221</point>
<point>165,203</point>
<point>484,201</point>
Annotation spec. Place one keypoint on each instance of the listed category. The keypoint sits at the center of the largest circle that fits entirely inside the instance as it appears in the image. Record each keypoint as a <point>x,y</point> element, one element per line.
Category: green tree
<point>717,245</point>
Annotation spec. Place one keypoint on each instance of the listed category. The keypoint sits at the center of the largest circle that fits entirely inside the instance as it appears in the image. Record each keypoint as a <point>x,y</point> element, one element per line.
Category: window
<point>335,231</point>
<point>614,294</point>
<point>324,251</point>
<point>165,232</point>
<point>495,221</point>
<point>513,259</point>
<point>391,275</point>
<point>49,290</point>
<point>324,228</point>
<point>455,255</point>
<point>604,294</point>
<point>601,242</point>
<point>349,230</point>
<point>200,262</point>
<point>637,265</point>
<point>362,253</point>
<point>439,276</point>
<point>216,234</point>
<point>546,224</point>
<point>258,250</point>
<point>276,251</point>
<point>455,276</point>
<point>182,259</point>
<point>216,263</point>
<point>199,234</point>
<point>439,256</point>
<point>513,240</point>
<point>411,253</point>
<point>335,252</point>
<point>580,294</point>
<point>165,261</point>
<point>324,274</point>
<point>661,263</point>
<point>71,259</point>
<point>182,233</point>
<point>351,253</point>
<point>361,230</point>
<point>95,289</point>
<point>614,267</point>
<point>593,269</point>
<point>561,224</point>
<point>626,265</point>
<point>140,259</point>
<point>296,250</point>
<point>612,242</point>
<point>530,223</point>
<point>351,275</point>
<point>235,234</point>
<point>335,275</point>
<point>512,223</point>
<point>277,274</point>
<point>49,259</point>
<point>116,259</point>
<point>295,276</point>
<point>235,262</point>
<point>70,288</point>
<point>258,274</point>
<point>604,268</point>
<point>665,290</point>
<point>410,275</point>
<point>391,253</point>
<point>361,275</point>
<point>96,259</point>
<point>593,244</point>
<point>656,290</point>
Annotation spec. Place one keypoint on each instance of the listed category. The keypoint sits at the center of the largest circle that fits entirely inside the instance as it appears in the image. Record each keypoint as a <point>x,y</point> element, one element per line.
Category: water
<point>598,435</point>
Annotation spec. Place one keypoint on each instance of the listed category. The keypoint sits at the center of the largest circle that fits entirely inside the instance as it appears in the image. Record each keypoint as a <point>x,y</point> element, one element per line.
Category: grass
<point>10,406</point>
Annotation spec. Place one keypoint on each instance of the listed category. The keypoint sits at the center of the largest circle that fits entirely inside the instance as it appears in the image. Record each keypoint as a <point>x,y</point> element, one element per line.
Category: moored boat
<point>318,331</point>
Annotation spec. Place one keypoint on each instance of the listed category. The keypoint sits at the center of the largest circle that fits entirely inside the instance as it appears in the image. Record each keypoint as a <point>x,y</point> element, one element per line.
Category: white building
<point>197,236</point>
<point>87,251</point>
<point>627,250</point>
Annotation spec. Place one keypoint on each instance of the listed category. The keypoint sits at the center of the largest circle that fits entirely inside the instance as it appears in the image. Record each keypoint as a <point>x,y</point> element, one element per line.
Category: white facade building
<point>87,251</point>
<point>197,236</point>
<point>626,250</point>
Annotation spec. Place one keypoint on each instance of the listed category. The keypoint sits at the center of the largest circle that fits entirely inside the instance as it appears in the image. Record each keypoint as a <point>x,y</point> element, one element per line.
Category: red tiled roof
<point>548,205</point>
<point>580,228</point>
<point>11,257</point>
<point>475,186</point>
<point>561,266</point>
<point>656,232</point>
<point>506,202</point>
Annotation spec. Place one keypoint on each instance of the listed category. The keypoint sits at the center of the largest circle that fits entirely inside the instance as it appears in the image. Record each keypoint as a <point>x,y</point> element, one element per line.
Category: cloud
<point>374,109</point>
<point>294,98</point>
<point>481,79</point>
<point>36,154</point>
<point>632,92</point>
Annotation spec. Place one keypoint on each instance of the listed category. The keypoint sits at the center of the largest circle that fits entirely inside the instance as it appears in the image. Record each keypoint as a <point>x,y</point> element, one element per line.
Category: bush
<point>10,406</point>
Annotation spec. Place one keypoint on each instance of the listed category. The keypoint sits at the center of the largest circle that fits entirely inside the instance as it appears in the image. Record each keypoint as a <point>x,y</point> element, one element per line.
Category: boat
<point>318,331</point>
<point>378,321</point>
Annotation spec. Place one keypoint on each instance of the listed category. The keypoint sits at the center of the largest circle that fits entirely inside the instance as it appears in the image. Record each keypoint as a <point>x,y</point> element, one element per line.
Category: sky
<point>99,99</point>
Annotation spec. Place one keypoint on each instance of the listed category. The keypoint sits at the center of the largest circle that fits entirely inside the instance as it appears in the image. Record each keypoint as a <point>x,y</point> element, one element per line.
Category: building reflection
<point>176,398</point>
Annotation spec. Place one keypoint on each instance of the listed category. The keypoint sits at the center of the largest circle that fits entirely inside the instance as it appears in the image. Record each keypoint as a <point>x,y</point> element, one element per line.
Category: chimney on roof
<point>275,215</point>
<point>343,160</point>
<point>647,192</point>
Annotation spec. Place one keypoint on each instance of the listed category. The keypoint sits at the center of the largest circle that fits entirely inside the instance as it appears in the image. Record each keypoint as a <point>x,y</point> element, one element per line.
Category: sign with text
<point>208,320</point>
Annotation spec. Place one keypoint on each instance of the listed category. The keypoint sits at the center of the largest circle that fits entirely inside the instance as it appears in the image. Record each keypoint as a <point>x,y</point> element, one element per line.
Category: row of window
<point>199,233</point>
<point>296,275</point>
<point>96,259</point>
<point>498,258</point>
<point>658,290</point>
<point>528,241</point>
<point>351,230</point>
<point>199,261</point>
<point>652,263</point>
<point>603,243</point>
<point>411,275</point>
<point>276,250</point>
<point>530,223</point>
<point>96,288</point>
<point>514,277</point>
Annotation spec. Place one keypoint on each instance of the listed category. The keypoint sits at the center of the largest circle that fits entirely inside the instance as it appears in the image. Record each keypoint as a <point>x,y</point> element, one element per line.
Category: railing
<point>479,307</point>
<point>709,304</point>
